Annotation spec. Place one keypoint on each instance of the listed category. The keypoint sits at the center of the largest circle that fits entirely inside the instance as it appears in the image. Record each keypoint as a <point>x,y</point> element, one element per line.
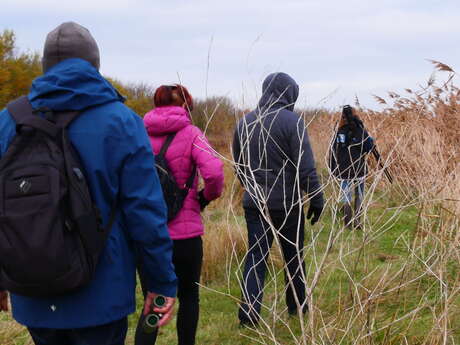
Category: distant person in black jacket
<point>347,161</point>
<point>275,165</point>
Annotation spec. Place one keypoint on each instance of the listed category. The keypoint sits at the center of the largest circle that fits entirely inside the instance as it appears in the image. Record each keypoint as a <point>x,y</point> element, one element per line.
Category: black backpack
<point>50,230</point>
<point>174,195</point>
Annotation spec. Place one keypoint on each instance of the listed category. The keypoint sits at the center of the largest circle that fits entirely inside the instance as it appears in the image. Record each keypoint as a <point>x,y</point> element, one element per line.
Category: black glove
<point>202,200</point>
<point>314,212</point>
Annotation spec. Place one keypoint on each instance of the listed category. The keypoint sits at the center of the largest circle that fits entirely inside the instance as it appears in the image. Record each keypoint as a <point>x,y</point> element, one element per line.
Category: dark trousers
<point>289,229</point>
<point>187,259</point>
<point>113,333</point>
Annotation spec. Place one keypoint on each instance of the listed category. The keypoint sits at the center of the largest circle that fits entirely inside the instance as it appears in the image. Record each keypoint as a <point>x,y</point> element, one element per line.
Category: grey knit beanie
<point>69,40</point>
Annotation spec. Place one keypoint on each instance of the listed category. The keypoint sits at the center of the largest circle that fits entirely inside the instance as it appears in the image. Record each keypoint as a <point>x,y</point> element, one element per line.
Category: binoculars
<point>150,322</point>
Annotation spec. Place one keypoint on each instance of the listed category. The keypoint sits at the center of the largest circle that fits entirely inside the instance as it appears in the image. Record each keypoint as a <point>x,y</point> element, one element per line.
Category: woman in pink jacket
<point>188,149</point>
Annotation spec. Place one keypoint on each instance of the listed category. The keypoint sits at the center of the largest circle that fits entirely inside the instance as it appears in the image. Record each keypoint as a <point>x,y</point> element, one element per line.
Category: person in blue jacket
<point>115,151</point>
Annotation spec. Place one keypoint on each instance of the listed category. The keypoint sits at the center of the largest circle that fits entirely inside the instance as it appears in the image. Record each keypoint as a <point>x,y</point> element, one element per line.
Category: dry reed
<point>410,298</point>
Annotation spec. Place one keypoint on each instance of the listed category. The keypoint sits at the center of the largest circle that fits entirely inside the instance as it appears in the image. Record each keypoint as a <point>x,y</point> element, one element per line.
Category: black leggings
<point>187,259</point>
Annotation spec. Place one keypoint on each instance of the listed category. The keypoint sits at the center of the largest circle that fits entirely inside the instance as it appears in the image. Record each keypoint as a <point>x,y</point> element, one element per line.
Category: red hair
<point>173,95</point>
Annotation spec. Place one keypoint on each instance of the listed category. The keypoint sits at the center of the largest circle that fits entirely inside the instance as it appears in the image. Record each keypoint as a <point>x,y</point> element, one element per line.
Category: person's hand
<point>166,311</point>
<point>3,300</point>
<point>202,200</point>
<point>314,212</point>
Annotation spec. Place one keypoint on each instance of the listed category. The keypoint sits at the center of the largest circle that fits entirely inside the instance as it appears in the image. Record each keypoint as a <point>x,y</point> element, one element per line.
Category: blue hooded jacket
<point>117,156</point>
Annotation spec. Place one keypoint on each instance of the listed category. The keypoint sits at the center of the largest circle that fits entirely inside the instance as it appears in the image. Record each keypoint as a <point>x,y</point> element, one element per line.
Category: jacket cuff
<point>165,289</point>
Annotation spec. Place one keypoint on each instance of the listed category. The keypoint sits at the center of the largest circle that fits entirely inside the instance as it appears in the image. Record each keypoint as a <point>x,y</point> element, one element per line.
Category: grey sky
<point>339,47</point>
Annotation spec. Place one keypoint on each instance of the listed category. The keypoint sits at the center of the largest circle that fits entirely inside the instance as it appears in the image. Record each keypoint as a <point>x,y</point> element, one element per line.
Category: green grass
<point>387,252</point>
<point>381,249</point>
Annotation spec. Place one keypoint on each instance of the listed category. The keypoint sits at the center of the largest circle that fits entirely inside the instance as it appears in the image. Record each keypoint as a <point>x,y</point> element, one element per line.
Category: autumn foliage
<point>16,70</point>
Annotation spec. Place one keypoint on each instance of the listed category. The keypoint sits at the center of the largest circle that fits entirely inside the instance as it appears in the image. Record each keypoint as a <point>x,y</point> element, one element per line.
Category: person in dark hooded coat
<point>275,165</point>
<point>347,162</point>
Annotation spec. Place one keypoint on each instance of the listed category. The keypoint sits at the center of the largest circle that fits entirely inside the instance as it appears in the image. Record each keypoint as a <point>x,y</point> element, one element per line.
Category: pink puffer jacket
<point>189,147</point>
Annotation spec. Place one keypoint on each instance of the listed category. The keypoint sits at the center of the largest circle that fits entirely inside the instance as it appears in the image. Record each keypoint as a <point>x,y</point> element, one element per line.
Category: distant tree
<point>214,114</point>
<point>16,70</point>
<point>139,96</point>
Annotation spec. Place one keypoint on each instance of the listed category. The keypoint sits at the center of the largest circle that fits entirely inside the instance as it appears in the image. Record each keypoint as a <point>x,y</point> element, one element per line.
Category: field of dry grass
<point>397,282</point>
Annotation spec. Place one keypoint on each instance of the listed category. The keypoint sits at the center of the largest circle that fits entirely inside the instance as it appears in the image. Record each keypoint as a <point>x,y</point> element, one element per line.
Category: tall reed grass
<point>398,280</point>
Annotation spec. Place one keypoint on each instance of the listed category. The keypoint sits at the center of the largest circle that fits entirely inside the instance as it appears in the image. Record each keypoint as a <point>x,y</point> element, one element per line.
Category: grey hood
<point>279,90</point>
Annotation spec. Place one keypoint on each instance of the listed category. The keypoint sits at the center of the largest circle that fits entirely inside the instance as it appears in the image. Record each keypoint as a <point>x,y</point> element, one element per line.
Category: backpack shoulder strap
<point>191,179</point>
<point>166,144</point>
<point>22,112</point>
<point>65,118</point>
<point>164,148</point>
<point>20,109</point>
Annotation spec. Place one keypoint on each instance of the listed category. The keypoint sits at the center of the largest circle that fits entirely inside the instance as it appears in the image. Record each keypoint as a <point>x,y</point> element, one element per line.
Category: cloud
<point>71,7</point>
<point>354,46</point>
